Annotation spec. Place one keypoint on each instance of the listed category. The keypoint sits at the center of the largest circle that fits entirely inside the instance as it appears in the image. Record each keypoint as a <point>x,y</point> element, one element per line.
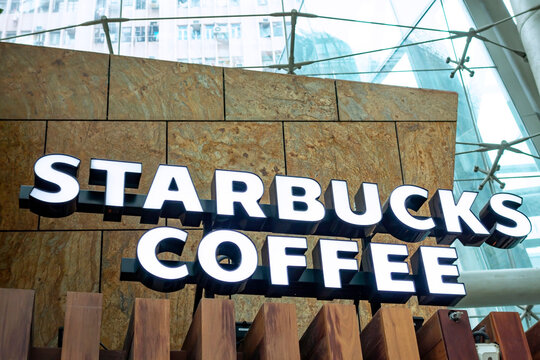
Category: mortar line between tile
<point>166,154</point>
<point>84,230</point>
<point>108,87</point>
<point>337,101</point>
<point>284,150</point>
<point>44,152</point>
<point>224,108</point>
<point>45,140</point>
<point>240,121</point>
<point>399,154</point>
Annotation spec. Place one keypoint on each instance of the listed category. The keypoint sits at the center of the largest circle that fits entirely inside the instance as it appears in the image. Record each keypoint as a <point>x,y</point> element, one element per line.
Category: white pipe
<point>501,287</point>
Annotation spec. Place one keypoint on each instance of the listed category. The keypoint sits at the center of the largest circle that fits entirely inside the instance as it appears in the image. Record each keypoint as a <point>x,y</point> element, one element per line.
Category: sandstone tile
<point>206,146</point>
<point>366,101</point>
<point>125,141</point>
<point>146,89</point>
<point>355,152</point>
<point>52,263</point>
<point>427,155</point>
<point>119,296</point>
<point>47,83</point>
<point>21,143</point>
<point>253,95</point>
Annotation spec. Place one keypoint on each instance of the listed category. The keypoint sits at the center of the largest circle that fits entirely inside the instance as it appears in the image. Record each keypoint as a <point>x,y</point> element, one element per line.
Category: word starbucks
<point>294,204</point>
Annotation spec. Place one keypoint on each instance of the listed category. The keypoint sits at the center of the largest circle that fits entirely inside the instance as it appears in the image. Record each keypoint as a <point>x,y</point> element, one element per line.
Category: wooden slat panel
<point>212,331</point>
<point>16,307</point>
<point>148,336</point>
<point>442,338</point>
<point>82,326</point>
<point>273,334</point>
<point>438,352</point>
<point>505,329</point>
<point>333,334</point>
<point>390,335</point>
<point>55,354</point>
<point>179,355</point>
<point>533,338</point>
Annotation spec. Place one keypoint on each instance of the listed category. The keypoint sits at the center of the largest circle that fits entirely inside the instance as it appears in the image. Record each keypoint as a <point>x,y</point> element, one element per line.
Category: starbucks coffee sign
<point>227,260</point>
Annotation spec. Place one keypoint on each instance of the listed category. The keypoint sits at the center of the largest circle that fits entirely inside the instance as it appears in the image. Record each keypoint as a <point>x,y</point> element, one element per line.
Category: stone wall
<point>99,106</point>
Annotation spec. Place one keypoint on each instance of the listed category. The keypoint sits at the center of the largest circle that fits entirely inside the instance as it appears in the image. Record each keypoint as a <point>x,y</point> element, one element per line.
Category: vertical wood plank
<point>533,339</point>
<point>333,334</point>
<point>149,330</point>
<point>390,335</point>
<point>40,353</point>
<point>505,329</point>
<point>212,332</point>
<point>442,338</point>
<point>273,334</point>
<point>82,326</point>
<point>16,308</point>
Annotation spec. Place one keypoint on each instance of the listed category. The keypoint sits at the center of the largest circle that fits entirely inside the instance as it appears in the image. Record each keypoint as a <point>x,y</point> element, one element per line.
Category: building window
<point>127,3</point>
<point>39,39</point>
<point>139,34</point>
<point>140,4</point>
<point>196,31</point>
<point>264,29</point>
<point>182,3</point>
<point>14,6</point>
<point>10,34</point>
<point>237,61</point>
<point>236,31</point>
<point>126,34</point>
<point>42,8</point>
<point>209,32</point>
<point>221,32</point>
<point>28,6</point>
<point>182,32</point>
<point>277,55</point>
<point>99,35</point>
<point>196,61</point>
<point>224,61</point>
<point>182,60</point>
<point>54,38</point>
<point>195,3</point>
<point>69,37</point>
<point>153,31</point>
<point>262,2</point>
<point>235,2</point>
<point>267,58</point>
<point>56,5</point>
<point>72,5</point>
<point>210,61</point>
<point>277,27</point>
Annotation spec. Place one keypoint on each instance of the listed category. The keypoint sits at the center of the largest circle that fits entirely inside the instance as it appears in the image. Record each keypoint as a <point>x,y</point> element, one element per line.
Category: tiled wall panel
<point>290,125</point>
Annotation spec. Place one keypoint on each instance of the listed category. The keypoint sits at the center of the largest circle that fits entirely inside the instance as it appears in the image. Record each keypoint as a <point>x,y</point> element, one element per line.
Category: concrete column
<point>501,287</point>
<point>529,29</point>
